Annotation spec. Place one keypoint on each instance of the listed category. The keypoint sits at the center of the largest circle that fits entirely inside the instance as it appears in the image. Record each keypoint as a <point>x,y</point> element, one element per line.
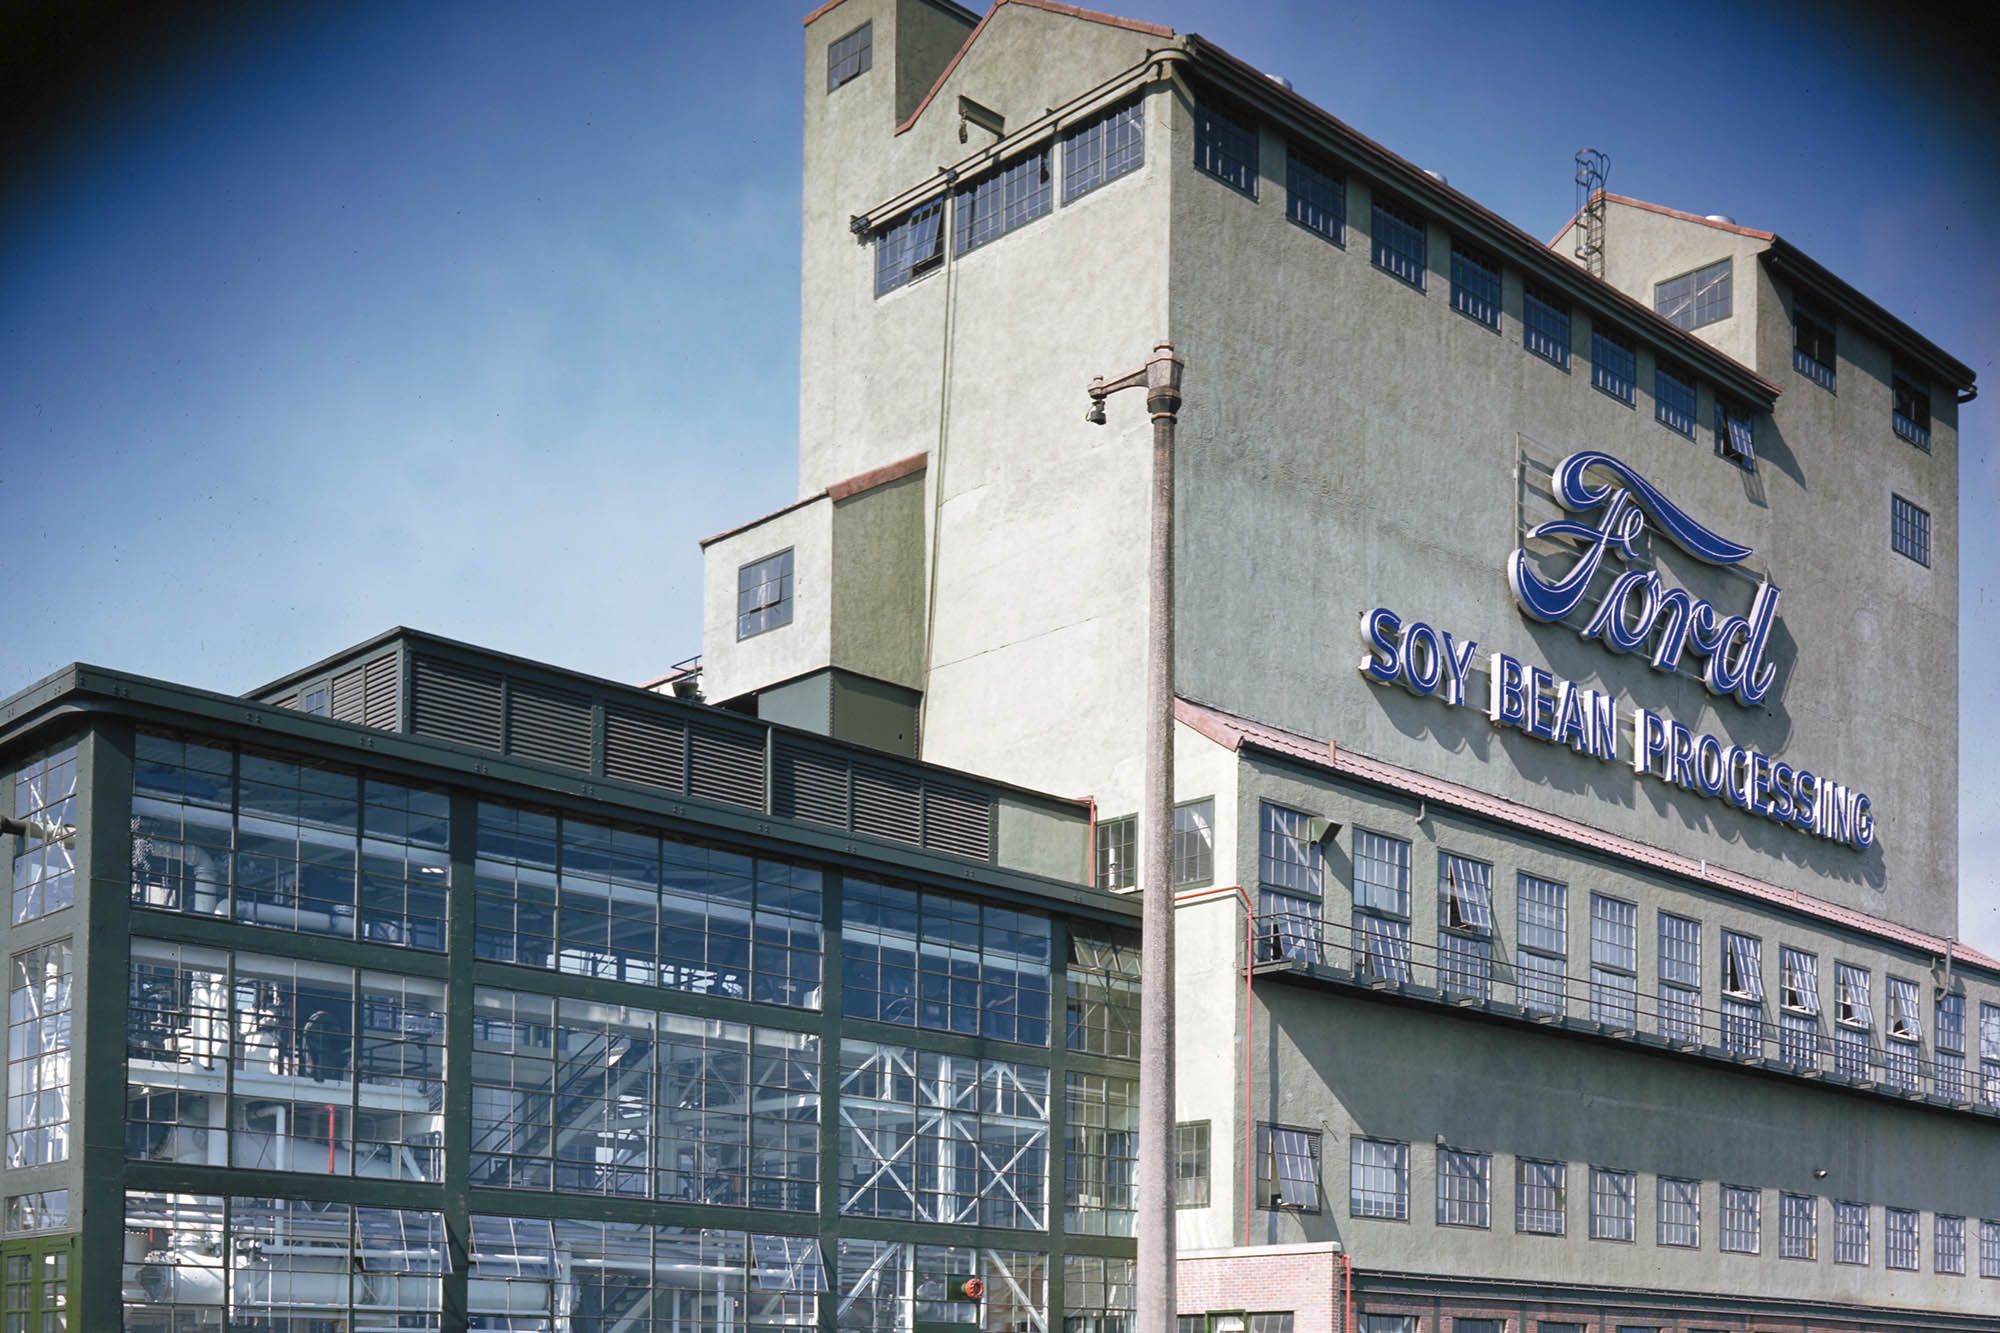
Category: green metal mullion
<point>625,1208</point>
<point>237,937</point>
<point>102,956</point>
<point>1059,1066</point>
<point>461,935</point>
<point>948,1043</point>
<point>833,910</point>
<point>638,995</point>
<point>253,1182</point>
<point>1109,1247</point>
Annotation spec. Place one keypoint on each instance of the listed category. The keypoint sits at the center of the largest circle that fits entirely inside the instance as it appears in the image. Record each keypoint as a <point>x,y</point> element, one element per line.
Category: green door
<point>34,1284</point>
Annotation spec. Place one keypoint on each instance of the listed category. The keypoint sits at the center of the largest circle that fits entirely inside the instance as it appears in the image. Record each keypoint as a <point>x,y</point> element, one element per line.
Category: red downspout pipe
<point>1249,1031</point>
<point>1347,1298</point>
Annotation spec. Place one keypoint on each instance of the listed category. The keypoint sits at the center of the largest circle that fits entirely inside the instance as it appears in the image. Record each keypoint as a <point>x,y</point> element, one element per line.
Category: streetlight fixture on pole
<point>1161,378</point>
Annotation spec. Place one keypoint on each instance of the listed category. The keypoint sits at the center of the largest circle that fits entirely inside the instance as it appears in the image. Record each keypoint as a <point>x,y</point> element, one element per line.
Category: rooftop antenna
<point>1592,168</point>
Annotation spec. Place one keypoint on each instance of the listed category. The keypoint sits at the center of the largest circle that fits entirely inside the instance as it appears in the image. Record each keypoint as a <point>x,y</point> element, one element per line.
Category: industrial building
<point>1566,667</point>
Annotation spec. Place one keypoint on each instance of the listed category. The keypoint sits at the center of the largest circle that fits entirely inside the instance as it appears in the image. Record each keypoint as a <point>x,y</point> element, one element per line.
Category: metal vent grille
<point>725,766</point>
<point>350,695</point>
<point>887,805</point>
<point>548,725</point>
<point>810,786</point>
<point>457,703</point>
<point>644,749</point>
<point>957,821</point>
<point>379,703</point>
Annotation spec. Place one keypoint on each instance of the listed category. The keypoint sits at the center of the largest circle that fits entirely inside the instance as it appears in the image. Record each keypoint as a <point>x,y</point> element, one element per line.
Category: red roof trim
<point>881,476</point>
<point>1664,211</point>
<point>1048,6</point>
<point>830,4</point>
<point>1232,732</point>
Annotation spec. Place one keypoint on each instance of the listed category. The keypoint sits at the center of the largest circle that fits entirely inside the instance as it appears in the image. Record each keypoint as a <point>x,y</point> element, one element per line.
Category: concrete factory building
<point>1567,675</point>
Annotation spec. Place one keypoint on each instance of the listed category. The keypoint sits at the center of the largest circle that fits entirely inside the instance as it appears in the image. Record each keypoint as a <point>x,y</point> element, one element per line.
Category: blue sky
<point>319,319</point>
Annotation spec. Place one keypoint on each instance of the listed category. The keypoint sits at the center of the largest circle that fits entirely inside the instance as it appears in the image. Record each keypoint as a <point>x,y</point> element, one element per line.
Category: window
<point>1388,1323</point>
<point>1812,346</point>
<point>1673,400</point>
<point>1002,200</point>
<point>1314,199</point>
<point>1798,1226</point>
<point>1542,926</point>
<point>1288,1167</point>
<point>1226,148</point>
<point>1540,1201</point>
<point>1465,1194</point>
<point>764,594</point>
<point>1989,1248</point>
<point>1850,1233</point>
<point>1697,298</point>
<point>1381,940</point>
<point>1545,327</point>
<point>1742,994</point>
<point>1948,1061</point>
<point>1396,244</point>
<point>1909,530</point>
<point>1117,857</point>
<point>1742,1217</point>
<point>1854,1019</point>
<point>1103,983</point>
<point>38,1055</point>
<point>1191,1164</point>
<point>1194,842</point>
<point>1680,1211</point>
<point>1100,1188</point>
<point>44,859</point>
<point>908,248</point>
<point>1475,285</point>
<point>1798,999</point>
<point>1680,978</point>
<point>1989,1051</point>
<point>1378,1179</point>
<point>1613,959</point>
<point>922,959</point>
<point>1288,867</point>
<point>1911,416</point>
<point>1951,1023</point>
<point>849,57</point>
<point>1948,1245</point>
<point>1100,1295</point>
<point>1899,1238</point>
<point>1902,1049</point>
<point>1613,1196</point>
<point>1103,148</point>
<point>1735,435</point>
<point>1614,367</point>
<point>1465,926</point>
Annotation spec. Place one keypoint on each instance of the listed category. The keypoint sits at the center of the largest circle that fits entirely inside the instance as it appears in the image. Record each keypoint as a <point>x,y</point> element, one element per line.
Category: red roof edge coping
<point>1685,216</point>
<point>881,476</point>
<point>807,22</point>
<point>748,524</point>
<point>1048,6</point>
<point>1231,732</point>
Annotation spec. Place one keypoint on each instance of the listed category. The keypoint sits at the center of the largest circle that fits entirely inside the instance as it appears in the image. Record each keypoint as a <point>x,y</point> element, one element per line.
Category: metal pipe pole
<point>1155,1221</point>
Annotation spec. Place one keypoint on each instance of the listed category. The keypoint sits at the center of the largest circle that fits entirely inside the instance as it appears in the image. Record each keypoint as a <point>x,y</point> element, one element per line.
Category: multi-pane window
<point>1697,298</point>
<point>1194,842</point>
<point>1100,1153</point>
<point>1464,1188</point>
<point>1680,1211</point>
<point>1288,1167</point>
<point>1117,853</point>
<point>1001,200</point>
<point>1948,1244</point>
<point>1989,1052</point>
<point>1911,415</point>
<point>1545,327</point>
<point>1899,1238</point>
<point>1542,939</point>
<point>1465,926</point>
<point>45,856</point>
<point>908,248</point>
<point>1742,1219</point>
<point>1614,957</point>
<point>1854,1020</point>
<point>1735,434</point>
<point>39,1010</point>
<point>1903,1034</point>
<point>849,57</point>
<point>1288,869</point>
<point>764,594</point>
<point>1613,1204</point>
<point>1314,199</point>
<point>1798,1226</point>
<point>1396,243</point>
<point>1673,400</point>
<point>1812,346</point>
<point>1225,146</point>
<point>1798,1000</point>
<point>1103,148</point>
<point>1614,367</point>
<point>1540,1200</point>
<point>1378,1178</point>
<point>1191,1164</point>
<point>1850,1233</point>
<point>1381,940</point>
<point>1909,530</point>
<point>1680,978</point>
<point>1948,1063</point>
<point>927,960</point>
<point>1742,993</point>
<point>1989,1248</point>
<point>1475,285</point>
<point>1102,1016</point>
<point>1099,1295</point>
